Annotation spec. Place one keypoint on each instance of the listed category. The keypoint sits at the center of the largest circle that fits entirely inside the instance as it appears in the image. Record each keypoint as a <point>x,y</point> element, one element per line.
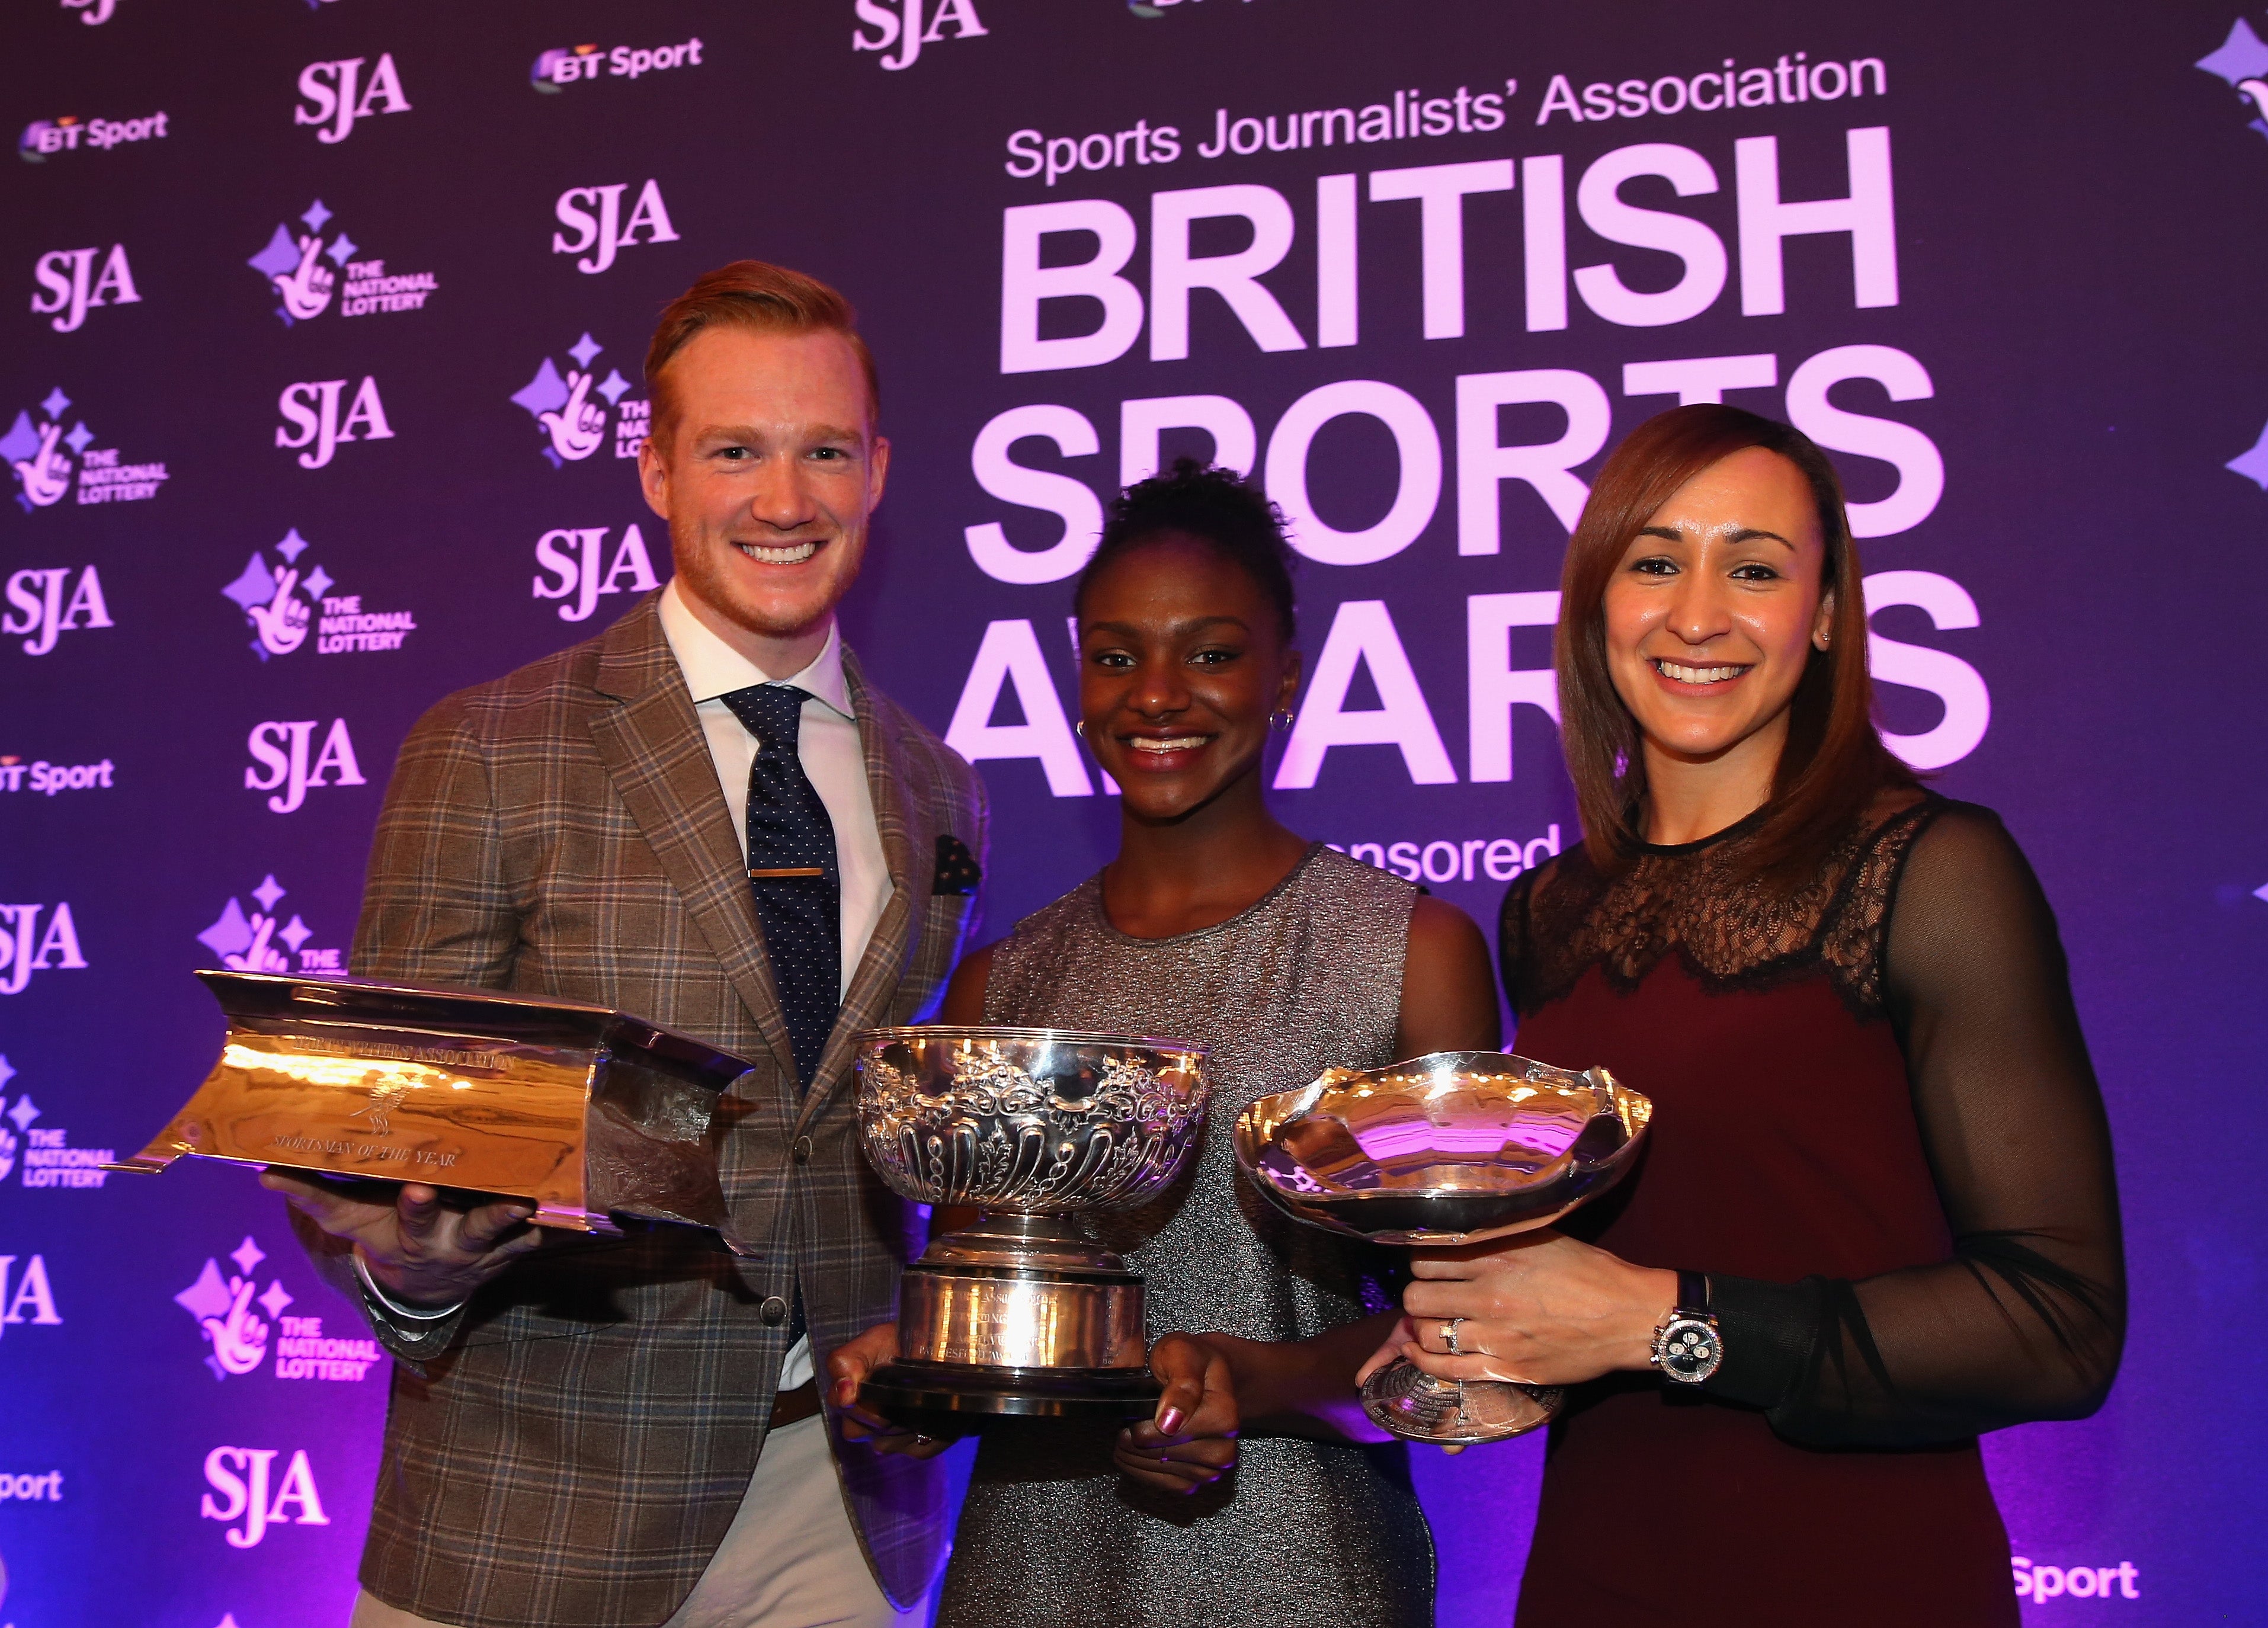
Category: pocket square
<point>957,869</point>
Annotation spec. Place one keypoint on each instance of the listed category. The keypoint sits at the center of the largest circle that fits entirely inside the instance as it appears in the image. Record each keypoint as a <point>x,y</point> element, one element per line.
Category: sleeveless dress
<point>1820,1113</point>
<point>1324,1536</point>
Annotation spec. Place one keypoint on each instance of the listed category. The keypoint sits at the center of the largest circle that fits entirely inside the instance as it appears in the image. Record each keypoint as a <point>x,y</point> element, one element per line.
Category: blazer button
<point>802,1150</point>
<point>773,1311</point>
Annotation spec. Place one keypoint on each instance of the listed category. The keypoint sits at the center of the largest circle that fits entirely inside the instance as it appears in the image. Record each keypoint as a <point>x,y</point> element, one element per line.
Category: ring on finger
<point>1449,1334</point>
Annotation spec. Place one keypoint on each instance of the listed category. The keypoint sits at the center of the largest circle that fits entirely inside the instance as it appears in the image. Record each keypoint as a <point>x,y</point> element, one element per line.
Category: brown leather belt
<point>793,1407</point>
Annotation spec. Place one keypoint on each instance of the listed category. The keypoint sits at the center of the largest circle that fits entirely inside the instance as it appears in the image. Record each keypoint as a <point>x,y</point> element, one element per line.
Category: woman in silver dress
<point>1257,1493</point>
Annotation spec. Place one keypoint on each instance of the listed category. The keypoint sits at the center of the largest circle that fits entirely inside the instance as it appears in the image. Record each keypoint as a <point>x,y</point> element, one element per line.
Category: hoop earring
<point>1079,729</point>
<point>1281,720</point>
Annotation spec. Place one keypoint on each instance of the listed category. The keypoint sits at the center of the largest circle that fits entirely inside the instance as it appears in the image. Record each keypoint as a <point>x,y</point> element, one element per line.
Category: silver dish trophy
<point>1456,1147</point>
<point>1022,1314</point>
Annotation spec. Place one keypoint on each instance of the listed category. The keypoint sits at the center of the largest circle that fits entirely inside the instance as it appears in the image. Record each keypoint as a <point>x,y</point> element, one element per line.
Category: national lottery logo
<point>223,1305</point>
<point>249,941</point>
<point>574,425</point>
<point>287,604</point>
<point>23,1112</point>
<point>44,1152</point>
<point>564,65</point>
<point>2242,61</point>
<point>229,1317</point>
<point>43,139</point>
<point>293,263</point>
<point>35,450</point>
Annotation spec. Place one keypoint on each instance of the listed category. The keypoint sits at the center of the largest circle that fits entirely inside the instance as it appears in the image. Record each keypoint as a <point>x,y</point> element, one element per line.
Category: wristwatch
<point>1688,1346</point>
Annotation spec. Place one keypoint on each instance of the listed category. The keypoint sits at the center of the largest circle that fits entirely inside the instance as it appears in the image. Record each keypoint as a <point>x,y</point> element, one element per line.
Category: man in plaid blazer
<point>600,1432</point>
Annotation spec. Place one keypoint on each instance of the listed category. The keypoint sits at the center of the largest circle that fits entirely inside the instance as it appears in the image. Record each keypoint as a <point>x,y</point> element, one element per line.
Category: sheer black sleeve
<point>2026,1319</point>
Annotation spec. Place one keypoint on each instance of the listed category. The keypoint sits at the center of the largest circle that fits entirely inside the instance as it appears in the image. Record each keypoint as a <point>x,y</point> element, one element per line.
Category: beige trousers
<point>791,1560</point>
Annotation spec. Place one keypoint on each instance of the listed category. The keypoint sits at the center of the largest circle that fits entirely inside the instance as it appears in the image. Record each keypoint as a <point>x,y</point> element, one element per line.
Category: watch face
<point>1690,1350</point>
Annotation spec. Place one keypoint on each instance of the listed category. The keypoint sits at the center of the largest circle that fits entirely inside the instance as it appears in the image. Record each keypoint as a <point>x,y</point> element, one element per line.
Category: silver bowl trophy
<point>1022,1314</point>
<point>1456,1147</point>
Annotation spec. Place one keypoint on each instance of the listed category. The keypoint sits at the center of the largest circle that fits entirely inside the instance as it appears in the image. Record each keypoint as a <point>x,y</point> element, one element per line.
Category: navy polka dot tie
<point>793,872</point>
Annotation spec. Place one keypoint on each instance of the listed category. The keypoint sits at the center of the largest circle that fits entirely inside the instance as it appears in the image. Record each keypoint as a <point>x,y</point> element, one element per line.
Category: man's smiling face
<point>767,473</point>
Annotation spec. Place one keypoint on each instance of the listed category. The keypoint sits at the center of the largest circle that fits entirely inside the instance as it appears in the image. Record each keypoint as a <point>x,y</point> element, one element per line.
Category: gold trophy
<point>1456,1147</point>
<point>584,1112</point>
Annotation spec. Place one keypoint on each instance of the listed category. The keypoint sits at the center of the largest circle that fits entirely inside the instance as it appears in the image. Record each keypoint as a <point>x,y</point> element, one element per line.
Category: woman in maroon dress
<point>1877,1214</point>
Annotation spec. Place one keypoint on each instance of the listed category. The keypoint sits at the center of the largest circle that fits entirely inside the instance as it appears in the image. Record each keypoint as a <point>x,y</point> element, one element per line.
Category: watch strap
<point>1693,1294</point>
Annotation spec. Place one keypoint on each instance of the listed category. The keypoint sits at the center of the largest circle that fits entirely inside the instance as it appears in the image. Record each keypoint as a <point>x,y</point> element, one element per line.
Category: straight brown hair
<point>751,294</point>
<point>1833,762</point>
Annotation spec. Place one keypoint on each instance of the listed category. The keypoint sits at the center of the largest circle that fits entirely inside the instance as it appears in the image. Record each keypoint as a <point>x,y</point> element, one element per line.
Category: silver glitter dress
<point>1302,1532</point>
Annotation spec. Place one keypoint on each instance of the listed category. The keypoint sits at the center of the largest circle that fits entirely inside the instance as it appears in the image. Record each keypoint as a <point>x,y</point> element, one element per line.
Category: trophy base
<point>1416,1407</point>
<point>955,1399</point>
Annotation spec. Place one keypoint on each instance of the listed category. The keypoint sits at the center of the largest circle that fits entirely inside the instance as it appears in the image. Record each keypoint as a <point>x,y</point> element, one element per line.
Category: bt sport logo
<point>283,606</point>
<point>556,70</point>
<point>42,138</point>
<point>573,425</point>
<point>34,450</point>
<point>292,262</point>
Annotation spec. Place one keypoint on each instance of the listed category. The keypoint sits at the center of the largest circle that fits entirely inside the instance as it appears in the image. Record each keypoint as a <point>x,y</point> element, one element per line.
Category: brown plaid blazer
<point>570,1450</point>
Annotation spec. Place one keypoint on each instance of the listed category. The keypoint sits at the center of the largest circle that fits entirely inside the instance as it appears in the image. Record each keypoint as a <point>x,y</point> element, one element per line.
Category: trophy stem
<point>1416,1406</point>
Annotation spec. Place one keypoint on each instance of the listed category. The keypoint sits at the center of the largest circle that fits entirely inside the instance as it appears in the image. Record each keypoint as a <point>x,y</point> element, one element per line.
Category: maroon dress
<point>1876,1130</point>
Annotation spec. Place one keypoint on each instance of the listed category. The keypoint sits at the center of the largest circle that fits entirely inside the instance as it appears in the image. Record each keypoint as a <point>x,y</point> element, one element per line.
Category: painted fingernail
<point>1170,1420</point>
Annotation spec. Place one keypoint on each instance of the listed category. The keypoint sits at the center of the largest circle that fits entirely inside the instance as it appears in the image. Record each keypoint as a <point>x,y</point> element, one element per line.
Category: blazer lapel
<point>906,840</point>
<point>652,743</point>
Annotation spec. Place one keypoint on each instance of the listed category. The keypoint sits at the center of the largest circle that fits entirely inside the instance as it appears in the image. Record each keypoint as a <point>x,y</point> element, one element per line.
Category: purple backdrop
<point>324,368</point>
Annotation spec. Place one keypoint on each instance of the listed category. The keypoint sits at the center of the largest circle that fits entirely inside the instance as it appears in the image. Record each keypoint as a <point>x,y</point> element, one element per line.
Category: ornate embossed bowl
<point>1041,1122</point>
<point>1022,1314</point>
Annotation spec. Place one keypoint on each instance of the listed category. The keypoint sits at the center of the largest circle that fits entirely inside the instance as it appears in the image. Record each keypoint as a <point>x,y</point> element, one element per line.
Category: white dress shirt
<point>833,759</point>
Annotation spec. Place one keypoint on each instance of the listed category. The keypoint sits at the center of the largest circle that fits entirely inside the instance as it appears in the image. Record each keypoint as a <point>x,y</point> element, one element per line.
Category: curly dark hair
<point>1216,506</point>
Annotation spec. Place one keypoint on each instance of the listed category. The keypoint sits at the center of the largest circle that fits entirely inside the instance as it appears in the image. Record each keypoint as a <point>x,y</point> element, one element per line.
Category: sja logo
<point>570,560</point>
<point>292,262</point>
<point>73,287</point>
<point>43,139</point>
<point>338,94</point>
<point>248,943</point>
<point>36,605</point>
<point>224,1307</point>
<point>34,938</point>
<point>285,606</point>
<point>601,229</point>
<point>556,70</point>
<point>91,12</point>
<point>283,763</point>
<point>310,410</point>
<point>905,30</point>
<point>27,1299</point>
<point>34,450</point>
<point>241,1476</point>
<point>574,426</point>
<point>45,1152</point>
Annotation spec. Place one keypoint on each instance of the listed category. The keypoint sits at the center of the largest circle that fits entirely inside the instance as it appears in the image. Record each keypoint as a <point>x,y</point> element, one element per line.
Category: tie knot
<point>769,711</point>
